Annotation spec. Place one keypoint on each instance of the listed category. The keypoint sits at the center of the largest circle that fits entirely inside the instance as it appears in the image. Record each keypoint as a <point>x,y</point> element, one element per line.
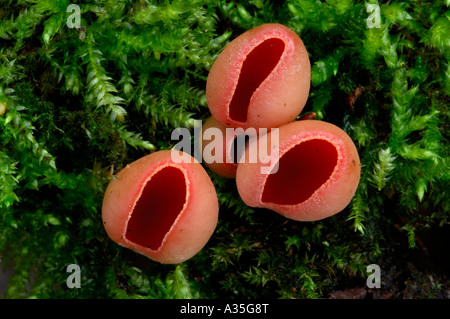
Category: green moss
<point>83,102</point>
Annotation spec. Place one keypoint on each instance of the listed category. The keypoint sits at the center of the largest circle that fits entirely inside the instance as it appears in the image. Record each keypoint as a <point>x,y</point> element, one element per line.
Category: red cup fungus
<point>222,164</point>
<point>318,173</point>
<point>261,79</point>
<point>222,147</point>
<point>164,210</point>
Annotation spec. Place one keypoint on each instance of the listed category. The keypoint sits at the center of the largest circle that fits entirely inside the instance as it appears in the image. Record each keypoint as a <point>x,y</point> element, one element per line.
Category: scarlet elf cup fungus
<point>260,79</point>
<point>318,173</point>
<point>164,210</point>
<point>220,162</point>
<point>222,147</point>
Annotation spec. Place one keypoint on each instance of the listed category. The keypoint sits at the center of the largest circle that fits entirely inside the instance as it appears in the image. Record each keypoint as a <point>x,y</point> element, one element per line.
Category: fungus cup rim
<point>158,169</point>
<point>243,53</point>
<point>283,151</point>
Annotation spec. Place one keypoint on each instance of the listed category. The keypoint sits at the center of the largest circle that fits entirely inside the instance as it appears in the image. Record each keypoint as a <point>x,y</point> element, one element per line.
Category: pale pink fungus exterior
<point>164,210</point>
<point>231,144</point>
<point>261,79</point>
<point>318,173</point>
<point>226,166</point>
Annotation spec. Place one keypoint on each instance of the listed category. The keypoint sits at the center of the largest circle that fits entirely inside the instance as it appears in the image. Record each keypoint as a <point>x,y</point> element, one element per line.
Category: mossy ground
<point>77,104</point>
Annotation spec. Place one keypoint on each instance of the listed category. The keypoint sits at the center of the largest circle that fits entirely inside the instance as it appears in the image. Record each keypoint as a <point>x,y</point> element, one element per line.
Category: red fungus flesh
<point>157,208</point>
<point>258,64</point>
<point>302,170</point>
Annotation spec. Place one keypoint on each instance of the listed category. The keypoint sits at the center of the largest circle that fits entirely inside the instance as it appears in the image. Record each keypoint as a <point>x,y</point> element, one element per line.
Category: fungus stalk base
<point>302,170</point>
<point>156,210</point>
<point>258,64</point>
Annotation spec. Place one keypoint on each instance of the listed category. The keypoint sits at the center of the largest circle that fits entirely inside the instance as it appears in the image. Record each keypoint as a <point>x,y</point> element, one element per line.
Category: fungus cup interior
<point>258,64</point>
<point>302,170</point>
<point>162,200</point>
